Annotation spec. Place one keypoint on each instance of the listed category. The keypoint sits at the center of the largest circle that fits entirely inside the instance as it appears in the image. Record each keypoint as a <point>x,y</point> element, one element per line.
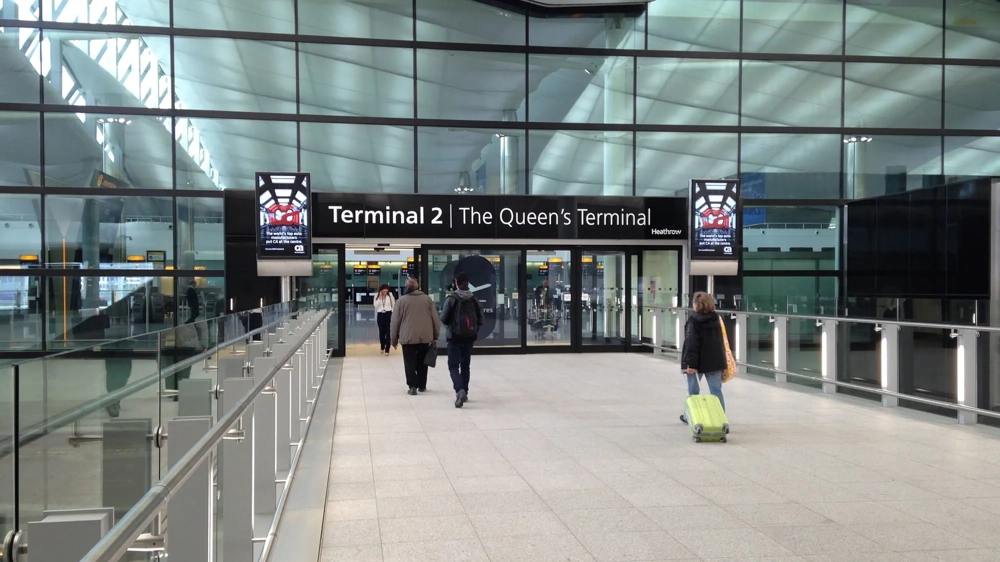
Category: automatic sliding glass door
<point>603,293</point>
<point>548,275</point>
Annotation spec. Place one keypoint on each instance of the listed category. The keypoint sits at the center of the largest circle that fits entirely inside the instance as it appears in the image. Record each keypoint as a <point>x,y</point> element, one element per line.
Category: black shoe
<point>114,410</point>
<point>422,389</point>
<point>412,391</point>
<point>465,396</point>
<point>460,399</point>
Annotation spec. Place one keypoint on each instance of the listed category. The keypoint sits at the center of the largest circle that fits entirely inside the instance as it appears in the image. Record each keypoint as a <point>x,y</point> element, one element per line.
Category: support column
<point>968,371</point>
<point>286,289</point>
<point>889,351</point>
<point>781,347</point>
<point>617,111</point>
<point>994,304</point>
<point>90,250</point>
<point>510,179</point>
<point>828,357</point>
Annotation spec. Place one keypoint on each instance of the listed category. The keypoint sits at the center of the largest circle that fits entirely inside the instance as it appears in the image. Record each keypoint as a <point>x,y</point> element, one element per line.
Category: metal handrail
<point>114,544</point>
<point>851,319</point>
<point>28,436</point>
<point>860,387</point>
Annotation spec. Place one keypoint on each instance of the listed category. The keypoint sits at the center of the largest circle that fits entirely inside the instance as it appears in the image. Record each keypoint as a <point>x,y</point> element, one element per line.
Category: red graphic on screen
<point>715,218</point>
<point>283,215</point>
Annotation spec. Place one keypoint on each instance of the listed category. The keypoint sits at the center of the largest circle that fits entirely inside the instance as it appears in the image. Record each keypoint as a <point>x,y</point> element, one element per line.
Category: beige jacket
<point>414,320</point>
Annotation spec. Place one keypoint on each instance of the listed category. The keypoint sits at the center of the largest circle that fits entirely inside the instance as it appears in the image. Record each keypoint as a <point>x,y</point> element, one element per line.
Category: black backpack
<point>464,320</point>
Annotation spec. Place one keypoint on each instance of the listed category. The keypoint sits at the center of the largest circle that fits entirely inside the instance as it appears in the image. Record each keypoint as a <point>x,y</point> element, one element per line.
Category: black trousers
<point>413,364</point>
<point>384,320</point>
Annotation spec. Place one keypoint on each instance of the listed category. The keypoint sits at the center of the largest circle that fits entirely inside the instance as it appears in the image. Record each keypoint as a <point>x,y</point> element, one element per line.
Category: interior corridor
<point>582,457</point>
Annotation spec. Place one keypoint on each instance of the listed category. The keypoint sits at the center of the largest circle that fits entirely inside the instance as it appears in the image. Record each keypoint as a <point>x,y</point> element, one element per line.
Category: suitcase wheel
<point>697,439</point>
<point>698,428</point>
<point>725,429</point>
<point>723,440</point>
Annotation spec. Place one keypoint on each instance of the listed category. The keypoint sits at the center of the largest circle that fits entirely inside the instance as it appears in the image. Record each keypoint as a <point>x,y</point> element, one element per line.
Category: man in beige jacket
<point>415,325</point>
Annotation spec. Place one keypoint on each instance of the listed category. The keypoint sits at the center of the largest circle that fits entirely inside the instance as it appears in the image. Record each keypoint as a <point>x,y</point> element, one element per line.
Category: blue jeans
<point>459,357</point>
<point>714,385</point>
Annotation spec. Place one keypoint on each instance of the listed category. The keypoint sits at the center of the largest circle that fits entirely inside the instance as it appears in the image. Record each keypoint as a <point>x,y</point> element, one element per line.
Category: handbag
<point>431,357</point>
<point>731,369</point>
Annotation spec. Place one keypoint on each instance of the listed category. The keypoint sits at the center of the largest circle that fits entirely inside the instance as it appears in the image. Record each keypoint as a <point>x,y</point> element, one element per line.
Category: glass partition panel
<point>928,366</point>
<point>549,276</point>
<point>603,294</point>
<point>859,359</point>
<point>493,279</point>
<point>20,316</point>
<point>106,457</point>
<point>760,345</point>
<point>804,350</point>
<point>661,287</point>
<point>7,456</point>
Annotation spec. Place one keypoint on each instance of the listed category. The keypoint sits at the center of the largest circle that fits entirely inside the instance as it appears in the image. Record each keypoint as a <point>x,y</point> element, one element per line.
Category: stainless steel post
<point>780,348</point>
<point>968,371</point>
<point>828,354</point>
<point>190,536</point>
<point>237,480</point>
<point>889,351</point>
<point>265,495</point>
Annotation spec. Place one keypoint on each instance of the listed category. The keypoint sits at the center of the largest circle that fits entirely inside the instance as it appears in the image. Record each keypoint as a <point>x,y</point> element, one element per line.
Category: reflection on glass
<point>7,461</point>
<point>20,314</point>
<point>262,81</point>
<point>687,92</point>
<point>548,280</point>
<point>793,166</point>
<point>20,84</point>
<point>794,94</point>
<point>971,97</point>
<point>874,25</point>
<point>815,230</point>
<point>610,32</point>
<point>887,165</point>
<point>355,80</point>
<point>322,290</point>
<point>581,163</point>
<point>804,351</point>
<point>603,293</point>
<point>892,95</point>
<point>273,16</point>
<point>665,163</point>
<point>969,34</point>
<point>470,85</point>
<point>581,89</point>
<point>344,157</point>
<point>448,21</point>
<point>22,161</point>
<point>384,20</point>
<point>660,286</point>
<point>693,25</point>
<point>493,279</point>
<point>238,149</point>
<point>199,232</point>
<point>790,295</point>
<point>467,161</point>
<point>760,345</point>
<point>793,26</point>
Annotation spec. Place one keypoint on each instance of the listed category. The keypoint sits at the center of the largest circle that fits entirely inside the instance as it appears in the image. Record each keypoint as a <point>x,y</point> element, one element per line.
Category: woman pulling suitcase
<point>705,355</point>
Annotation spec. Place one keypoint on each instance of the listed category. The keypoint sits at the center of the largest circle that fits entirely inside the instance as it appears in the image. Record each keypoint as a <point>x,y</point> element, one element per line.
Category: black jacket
<point>703,347</point>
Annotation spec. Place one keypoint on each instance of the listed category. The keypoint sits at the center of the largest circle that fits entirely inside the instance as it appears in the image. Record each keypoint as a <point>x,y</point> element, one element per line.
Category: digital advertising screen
<point>284,225</point>
<point>715,206</point>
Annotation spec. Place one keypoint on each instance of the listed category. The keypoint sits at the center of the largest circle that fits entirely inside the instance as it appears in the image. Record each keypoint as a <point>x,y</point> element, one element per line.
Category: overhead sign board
<point>359,215</point>
<point>283,216</point>
<point>715,206</point>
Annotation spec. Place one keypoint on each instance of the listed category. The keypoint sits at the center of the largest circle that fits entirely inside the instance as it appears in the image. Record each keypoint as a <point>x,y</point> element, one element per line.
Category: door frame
<point>341,303</point>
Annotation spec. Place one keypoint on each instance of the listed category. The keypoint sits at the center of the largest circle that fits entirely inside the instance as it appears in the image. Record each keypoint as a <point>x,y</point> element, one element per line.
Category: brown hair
<point>703,302</point>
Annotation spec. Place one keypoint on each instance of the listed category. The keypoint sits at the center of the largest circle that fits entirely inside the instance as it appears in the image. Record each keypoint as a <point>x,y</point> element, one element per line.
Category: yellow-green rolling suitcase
<point>706,418</point>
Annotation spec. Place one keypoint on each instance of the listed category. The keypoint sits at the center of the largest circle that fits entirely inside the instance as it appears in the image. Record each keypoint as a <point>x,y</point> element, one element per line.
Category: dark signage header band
<point>499,217</point>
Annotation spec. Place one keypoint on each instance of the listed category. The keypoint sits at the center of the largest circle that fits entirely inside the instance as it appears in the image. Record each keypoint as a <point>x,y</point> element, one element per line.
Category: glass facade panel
<point>890,164</point>
<point>687,92</point>
<point>875,26</point>
<point>665,163</point>
<point>200,233</point>
<point>392,19</point>
<point>804,238</point>
<point>355,80</point>
<point>107,150</point>
<point>449,21</point>
<point>581,89</point>
<point>272,16</point>
<point>498,273</point>
<point>793,26</point>
<point>22,51</point>
<point>598,32</point>
<point>225,153</point>
<point>21,162</point>
<point>906,96</point>
<point>20,232</point>
<point>789,295</point>
<point>971,31</point>
<point>693,25</point>
<point>21,315</point>
<point>971,157</point>
<point>471,161</point>
<point>470,85</point>
<point>580,162</point>
<point>972,97</point>
<point>235,74</point>
<point>793,166</point>
<point>796,94</point>
<point>147,12</point>
<point>358,158</point>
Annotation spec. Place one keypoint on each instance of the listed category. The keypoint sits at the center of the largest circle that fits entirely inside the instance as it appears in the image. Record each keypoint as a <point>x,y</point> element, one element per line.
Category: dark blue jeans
<point>459,357</point>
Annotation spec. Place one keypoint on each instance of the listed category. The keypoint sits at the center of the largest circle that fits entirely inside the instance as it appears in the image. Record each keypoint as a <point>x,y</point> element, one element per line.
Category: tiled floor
<point>582,457</point>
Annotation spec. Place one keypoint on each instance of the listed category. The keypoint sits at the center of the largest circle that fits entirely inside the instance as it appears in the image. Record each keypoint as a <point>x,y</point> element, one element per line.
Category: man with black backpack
<point>463,316</point>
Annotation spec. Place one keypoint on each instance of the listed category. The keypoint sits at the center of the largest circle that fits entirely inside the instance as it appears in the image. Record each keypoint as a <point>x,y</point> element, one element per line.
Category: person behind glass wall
<point>415,325</point>
<point>384,302</point>
<point>194,307</point>
<point>544,296</point>
<point>704,353</point>
<point>463,315</point>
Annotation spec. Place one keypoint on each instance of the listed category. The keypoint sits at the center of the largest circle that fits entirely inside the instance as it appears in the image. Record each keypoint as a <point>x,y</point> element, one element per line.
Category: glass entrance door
<point>323,290</point>
<point>548,275</point>
<point>602,292</point>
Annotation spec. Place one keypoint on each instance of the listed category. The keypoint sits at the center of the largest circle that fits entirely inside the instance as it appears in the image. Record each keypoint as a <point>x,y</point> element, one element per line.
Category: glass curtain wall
<point>809,102</point>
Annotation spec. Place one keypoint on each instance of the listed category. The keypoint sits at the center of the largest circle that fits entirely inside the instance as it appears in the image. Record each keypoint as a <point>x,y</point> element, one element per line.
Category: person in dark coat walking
<point>704,353</point>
